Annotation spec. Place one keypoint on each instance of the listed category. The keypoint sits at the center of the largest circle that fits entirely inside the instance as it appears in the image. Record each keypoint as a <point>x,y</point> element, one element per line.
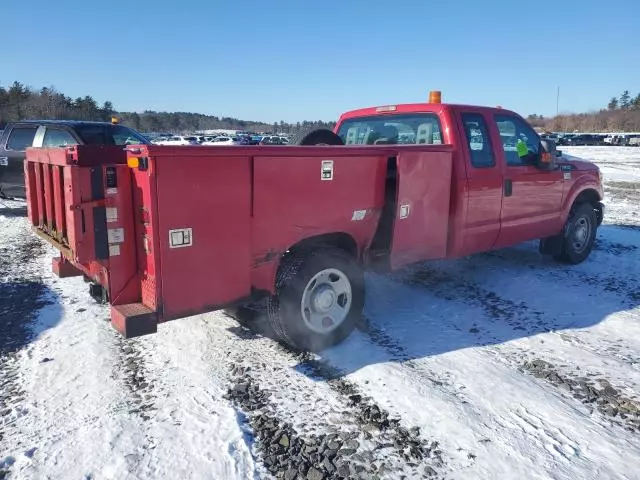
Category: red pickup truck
<point>165,232</point>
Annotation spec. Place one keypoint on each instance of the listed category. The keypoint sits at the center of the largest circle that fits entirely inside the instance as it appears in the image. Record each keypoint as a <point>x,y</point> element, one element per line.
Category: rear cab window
<point>21,137</point>
<point>56,137</point>
<point>478,140</point>
<point>108,135</point>
<point>401,129</point>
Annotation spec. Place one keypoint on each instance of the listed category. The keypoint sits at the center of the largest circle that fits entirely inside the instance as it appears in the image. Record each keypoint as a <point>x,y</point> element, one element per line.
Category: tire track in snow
<point>595,393</point>
<point>177,395</point>
<point>613,348</point>
<point>139,395</point>
<point>621,289</point>
<point>398,353</point>
<point>626,287</point>
<point>518,315</point>
<point>344,408</point>
<point>22,295</point>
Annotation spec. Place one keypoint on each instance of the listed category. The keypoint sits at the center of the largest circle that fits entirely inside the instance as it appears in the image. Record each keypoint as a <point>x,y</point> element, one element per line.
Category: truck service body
<point>173,231</point>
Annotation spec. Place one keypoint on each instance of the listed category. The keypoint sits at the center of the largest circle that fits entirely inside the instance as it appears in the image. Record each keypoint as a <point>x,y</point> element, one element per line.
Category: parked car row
<point>590,139</point>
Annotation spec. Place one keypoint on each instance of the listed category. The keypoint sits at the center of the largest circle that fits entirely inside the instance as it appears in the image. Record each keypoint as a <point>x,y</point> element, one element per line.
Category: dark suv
<point>584,139</point>
<point>17,136</point>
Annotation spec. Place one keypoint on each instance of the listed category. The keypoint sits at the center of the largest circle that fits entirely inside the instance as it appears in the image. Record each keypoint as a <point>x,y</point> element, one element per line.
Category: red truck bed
<point>185,230</point>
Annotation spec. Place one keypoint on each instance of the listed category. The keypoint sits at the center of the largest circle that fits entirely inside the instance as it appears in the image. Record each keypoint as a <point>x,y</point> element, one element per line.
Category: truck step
<point>134,320</point>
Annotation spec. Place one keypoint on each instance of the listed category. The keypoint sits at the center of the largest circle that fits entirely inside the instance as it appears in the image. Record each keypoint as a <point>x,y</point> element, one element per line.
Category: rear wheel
<point>579,234</point>
<point>319,299</point>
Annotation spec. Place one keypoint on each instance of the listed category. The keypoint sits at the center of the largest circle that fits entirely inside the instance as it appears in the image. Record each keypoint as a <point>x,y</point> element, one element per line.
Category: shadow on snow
<point>487,299</point>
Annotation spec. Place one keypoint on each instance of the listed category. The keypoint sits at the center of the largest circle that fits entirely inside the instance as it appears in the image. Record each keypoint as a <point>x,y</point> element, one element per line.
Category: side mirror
<point>548,155</point>
<point>559,153</point>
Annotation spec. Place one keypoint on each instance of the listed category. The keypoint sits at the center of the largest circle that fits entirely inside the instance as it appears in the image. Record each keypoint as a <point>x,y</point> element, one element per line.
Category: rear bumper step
<point>64,269</point>
<point>134,320</point>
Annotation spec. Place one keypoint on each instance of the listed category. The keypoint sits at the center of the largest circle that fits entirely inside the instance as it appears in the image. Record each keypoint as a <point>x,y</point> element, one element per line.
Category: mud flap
<point>552,245</point>
<point>421,225</point>
<point>599,212</point>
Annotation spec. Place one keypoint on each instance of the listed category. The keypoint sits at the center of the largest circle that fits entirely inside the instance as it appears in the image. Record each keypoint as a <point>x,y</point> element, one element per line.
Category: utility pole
<point>555,121</point>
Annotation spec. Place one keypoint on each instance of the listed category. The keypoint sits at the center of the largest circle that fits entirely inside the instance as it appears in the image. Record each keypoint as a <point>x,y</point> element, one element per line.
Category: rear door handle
<point>508,187</point>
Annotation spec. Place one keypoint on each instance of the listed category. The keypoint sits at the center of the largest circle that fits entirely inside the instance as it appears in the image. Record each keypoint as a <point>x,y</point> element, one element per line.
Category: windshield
<point>97,134</point>
<point>408,129</point>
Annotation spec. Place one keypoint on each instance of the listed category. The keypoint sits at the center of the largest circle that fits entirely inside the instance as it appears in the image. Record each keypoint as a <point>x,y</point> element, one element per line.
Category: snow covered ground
<point>501,365</point>
<point>620,167</point>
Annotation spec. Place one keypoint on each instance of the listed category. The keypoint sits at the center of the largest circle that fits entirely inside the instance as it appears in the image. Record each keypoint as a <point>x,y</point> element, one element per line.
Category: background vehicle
<point>297,225</point>
<point>584,139</point>
<point>221,141</point>
<point>273,140</point>
<point>634,141</point>
<point>18,136</point>
<point>179,140</point>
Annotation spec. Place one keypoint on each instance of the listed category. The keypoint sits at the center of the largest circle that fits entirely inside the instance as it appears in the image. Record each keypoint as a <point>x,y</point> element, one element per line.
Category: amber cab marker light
<point>435,96</point>
<point>386,108</point>
<point>133,162</point>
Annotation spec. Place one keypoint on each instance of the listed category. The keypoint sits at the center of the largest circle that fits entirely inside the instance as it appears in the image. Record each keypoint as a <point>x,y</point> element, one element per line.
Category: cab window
<point>512,130</point>
<point>400,129</point>
<point>125,136</point>
<point>20,138</point>
<point>478,140</point>
<point>54,137</point>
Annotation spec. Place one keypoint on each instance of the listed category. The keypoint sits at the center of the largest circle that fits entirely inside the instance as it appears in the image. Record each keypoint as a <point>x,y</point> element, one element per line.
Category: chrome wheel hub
<point>581,234</point>
<point>326,301</point>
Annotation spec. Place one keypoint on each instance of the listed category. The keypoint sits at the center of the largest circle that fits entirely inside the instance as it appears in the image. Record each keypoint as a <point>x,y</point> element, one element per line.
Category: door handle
<point>508,187</point>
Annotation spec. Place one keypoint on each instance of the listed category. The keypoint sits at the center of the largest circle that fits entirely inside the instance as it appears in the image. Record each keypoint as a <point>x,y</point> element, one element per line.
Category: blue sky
<point>295,60</point>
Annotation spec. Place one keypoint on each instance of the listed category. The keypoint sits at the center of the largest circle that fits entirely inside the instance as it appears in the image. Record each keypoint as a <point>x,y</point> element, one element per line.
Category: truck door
<point>484,183</point>
<point>421,225</point>
<point>532,198</point>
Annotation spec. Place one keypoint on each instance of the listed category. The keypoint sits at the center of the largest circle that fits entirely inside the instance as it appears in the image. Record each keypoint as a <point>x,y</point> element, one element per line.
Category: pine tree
<point>613,104</point>
<point>625,100</point>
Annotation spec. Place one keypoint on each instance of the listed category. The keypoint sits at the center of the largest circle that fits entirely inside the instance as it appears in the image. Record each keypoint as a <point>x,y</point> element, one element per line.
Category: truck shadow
<point>27,308</point>
<point>12,211</point>
<point>489,299</point>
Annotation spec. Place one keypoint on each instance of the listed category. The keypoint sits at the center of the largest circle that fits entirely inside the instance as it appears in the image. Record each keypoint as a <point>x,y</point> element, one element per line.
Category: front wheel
<point>579,235</point>
<point>319,299</point>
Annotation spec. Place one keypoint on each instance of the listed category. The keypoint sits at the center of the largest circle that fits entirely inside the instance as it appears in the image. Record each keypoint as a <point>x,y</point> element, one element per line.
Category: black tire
<point>285,308</point>
<point>574,251</point>
<point>318,136</point>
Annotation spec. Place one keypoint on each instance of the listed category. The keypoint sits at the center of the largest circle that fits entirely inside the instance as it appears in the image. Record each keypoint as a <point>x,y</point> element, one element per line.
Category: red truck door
<point>422,211</point>
<point>532,198</point>
<point>484,183</point>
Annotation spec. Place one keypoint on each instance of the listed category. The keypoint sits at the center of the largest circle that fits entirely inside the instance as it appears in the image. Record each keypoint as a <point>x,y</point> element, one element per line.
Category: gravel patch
<point>141,393</point>
<point>339,455</point>
<point>595,392</point>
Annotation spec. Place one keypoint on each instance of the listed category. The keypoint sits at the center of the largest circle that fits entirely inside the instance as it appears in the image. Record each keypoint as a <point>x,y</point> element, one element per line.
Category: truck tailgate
<point>79,199</point>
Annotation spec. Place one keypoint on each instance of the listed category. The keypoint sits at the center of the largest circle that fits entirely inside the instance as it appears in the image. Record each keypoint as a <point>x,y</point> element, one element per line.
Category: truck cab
<point>500,196</point>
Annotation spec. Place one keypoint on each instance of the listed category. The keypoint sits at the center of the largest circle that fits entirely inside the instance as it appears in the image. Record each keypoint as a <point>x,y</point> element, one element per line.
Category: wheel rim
<point>326,301</point>
<point>581,234</point>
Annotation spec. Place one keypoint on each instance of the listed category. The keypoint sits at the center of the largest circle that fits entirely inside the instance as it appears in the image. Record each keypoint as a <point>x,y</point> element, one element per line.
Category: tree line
<point>19,102</point>
<point>622,114</point>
